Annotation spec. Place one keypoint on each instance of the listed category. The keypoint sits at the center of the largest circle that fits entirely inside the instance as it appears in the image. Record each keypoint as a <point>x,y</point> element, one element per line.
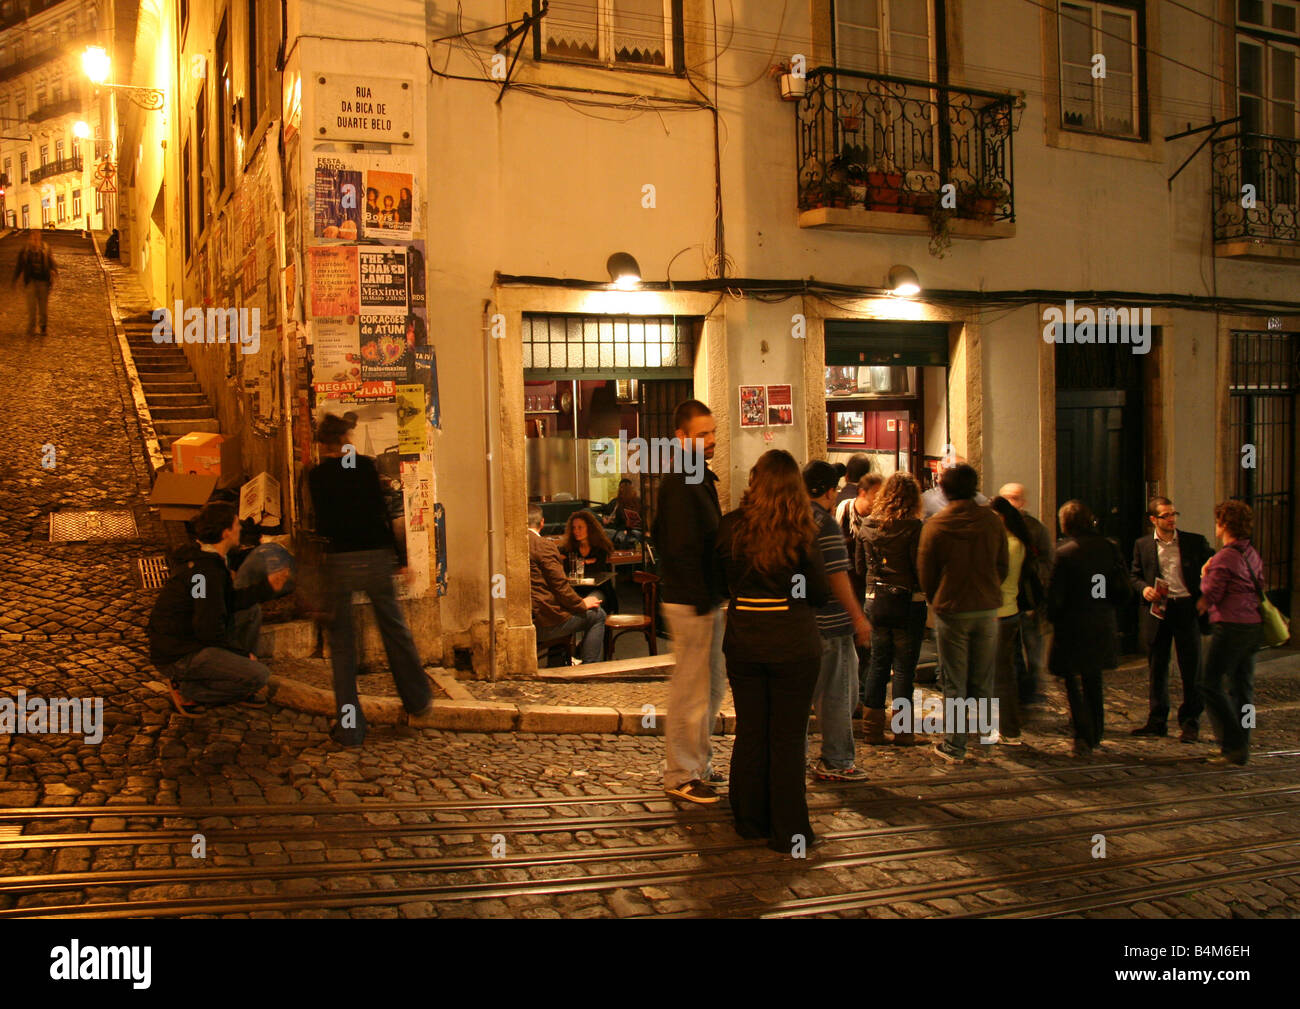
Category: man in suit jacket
<point>1177,557</point>
<point>558,611</point>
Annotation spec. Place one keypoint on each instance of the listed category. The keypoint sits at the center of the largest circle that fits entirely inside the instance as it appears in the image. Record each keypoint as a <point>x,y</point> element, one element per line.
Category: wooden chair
<point>556,651</point>
<point>621,623</point>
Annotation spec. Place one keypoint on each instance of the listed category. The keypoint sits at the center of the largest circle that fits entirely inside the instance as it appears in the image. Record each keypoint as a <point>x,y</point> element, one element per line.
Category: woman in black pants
<point>768,562</point>
<point>1089,581</point>
<point>1230,583</point>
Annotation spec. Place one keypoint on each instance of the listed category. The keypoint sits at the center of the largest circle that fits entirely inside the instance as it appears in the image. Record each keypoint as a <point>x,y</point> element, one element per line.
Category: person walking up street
<point>1031,655</point>
<point>768,562</point>
<point>962,560</point>
<point>203,631</point>
<point>1089,582</point>
<point>362,554</point>
<point>886,556</point>
<point>37,270</point>
<point>1230,588</point>
<point>1173,557</point>
<point>840,622</point>
<point>685,529</point>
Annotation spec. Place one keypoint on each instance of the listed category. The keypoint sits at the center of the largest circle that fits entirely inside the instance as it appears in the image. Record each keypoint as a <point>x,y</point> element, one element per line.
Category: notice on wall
<point>334,287</point>
<point>336,345</point>
<point>426,373</point>
<point>337,192</point>
<point>415,274</point>
<point>440,545</point>
<point>354,392</point>
<point>389,199</point>
<point>780,405</point>
<point>385,353</point>
<point>411,420</point>
<point>753,406</point>
<point>370,109</point>
<point>383,279</point>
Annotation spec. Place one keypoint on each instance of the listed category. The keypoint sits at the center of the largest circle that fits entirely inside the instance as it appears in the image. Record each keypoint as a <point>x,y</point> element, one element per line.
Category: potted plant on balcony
<point>884,187</point>
<point>853,161</point>
<point>793,87</point>
<point>980,200</point>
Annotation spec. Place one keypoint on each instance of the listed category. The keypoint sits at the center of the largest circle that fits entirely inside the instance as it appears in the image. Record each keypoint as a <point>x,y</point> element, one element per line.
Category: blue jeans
<point>968,647</point>
<point>1230,657</point>
<point>833,699</point>
<point>591,623</point>
<point>265,559</point>
<point>896,648</point>
<point>371,572</point>
<point>220,675</point>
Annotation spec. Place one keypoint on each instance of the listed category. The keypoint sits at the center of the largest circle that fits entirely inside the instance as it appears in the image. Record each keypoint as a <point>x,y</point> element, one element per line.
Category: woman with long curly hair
<point>767,561</point>
<point>585,542</point>
<point>886,556</point>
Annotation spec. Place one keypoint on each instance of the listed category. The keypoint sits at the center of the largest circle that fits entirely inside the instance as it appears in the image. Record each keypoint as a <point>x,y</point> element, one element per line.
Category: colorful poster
<point>417,498</point>
<point>383,278</point>
<point>426,373</point>
<point>337,348</point>
<point>337,191</point>
<point>354,391</point>
<point>385,353</point>
<point>780,405</point>
<point>388,204</point>
<point>411,420</point>
<point>753,406</point>
<point>375,433</point>
<point>440,545</point>
<point>334,289</point>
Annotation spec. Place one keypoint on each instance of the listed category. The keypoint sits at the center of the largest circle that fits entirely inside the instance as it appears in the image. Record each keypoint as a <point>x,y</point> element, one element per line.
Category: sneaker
<point>695,791</point>
<point>345,737</point>
<point>1190,734</point>
<point>1011,741</point>
<point>1234,757</point>
<point>715,779</point>
<point>949,753</point>
<point>822,772</point>
<point>992,738</point>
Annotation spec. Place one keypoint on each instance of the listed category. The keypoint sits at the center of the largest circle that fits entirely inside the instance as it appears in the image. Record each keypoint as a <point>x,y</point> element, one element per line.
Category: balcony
<point>63,107</point>
<point>60,167</point>
<point>61,50</point>
<point>876,153</point>
<point>1263,226</point>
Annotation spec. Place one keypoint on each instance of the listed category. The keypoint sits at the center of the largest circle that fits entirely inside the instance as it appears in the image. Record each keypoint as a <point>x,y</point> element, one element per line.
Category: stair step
<point>183,426</point>
<point>157,399</point>
<point>170,383</point>
<point>162,368</point>
<point>161,411</point>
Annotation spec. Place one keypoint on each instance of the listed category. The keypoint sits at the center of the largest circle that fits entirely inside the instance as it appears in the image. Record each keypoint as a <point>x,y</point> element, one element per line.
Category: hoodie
<point>963,559</point>
<point>196,607</point>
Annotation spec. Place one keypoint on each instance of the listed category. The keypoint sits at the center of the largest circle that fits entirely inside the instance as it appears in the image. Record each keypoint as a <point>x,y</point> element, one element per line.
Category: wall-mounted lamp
<point>96,63</point>
<point>903,282</point>
<point>623,271</point>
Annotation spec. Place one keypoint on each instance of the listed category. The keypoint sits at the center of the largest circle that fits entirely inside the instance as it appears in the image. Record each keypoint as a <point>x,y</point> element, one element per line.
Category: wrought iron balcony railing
<point>892,144</point>
<point>1270,209</point>
<point>60,167</point>
<point>62,107</point>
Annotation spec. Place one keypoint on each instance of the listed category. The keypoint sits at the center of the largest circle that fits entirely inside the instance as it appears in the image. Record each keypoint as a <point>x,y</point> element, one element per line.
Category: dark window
<point>1111,105</point>
<point>623,34</point>
<point>201,151</point>
<point>187,169</point>
<point>252,113</point>
<point>224,99</point>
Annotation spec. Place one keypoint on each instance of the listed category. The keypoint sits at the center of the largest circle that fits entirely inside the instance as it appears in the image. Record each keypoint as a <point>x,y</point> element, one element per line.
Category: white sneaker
<point>993,737</point>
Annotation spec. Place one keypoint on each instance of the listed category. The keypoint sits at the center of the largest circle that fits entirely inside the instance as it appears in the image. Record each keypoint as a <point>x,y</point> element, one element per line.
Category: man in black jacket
<point>1177,558</point>
<point>1029,659</point>
<point>203,631</point>
<point>685,528</point>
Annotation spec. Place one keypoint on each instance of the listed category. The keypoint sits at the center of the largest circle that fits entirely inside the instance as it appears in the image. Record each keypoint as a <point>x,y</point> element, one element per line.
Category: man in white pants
<point>686,524</point>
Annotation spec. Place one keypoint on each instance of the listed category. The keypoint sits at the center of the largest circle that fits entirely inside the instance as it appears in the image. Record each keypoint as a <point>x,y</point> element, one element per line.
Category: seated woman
<point>623,516</point>
<point>585,541</point>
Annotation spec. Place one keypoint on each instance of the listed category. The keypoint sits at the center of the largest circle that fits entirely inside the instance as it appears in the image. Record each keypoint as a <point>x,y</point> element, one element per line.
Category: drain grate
<point>80,526</point>
<point>153,572</point>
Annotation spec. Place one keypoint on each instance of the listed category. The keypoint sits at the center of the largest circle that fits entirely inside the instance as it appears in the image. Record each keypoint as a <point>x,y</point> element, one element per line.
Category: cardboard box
<point>204,453</point>
<point>259,499</point>
<point>180,496</point>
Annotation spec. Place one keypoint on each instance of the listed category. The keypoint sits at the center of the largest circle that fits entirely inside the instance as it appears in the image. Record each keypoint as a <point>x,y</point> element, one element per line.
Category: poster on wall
<point>389,204</point>
<point>850,428</point>
<point>351,392</point>
<point>385,352</point>
<point>780,405</point>
<point>337,192</point>
<point>333,271</point>
<point>415,274</point>
<point>440,545</point>
<point>337,346</point>
<point>383,278</point>
<point>753,406</point>
<point>426,373</point>
<point>411,420</point>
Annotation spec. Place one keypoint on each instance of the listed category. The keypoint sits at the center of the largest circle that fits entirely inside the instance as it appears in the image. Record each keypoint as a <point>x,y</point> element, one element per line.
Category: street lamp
<point>96,63</point>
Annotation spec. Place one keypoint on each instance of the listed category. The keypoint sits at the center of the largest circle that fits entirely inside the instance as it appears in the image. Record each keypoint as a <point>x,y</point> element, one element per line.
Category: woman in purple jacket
<point>1228,592</point>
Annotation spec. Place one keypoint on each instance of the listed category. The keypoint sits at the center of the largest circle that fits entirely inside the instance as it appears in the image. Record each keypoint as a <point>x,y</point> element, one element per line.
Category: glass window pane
<point>1284,18</point>
<point>639,35</point>
<point>909,55</point>
<point>637,354</point>
<point>1283,76</point>
<point>541,357</point>
<point>1117,42</point>
<point>1250,68</point>
<point>1076,97</point>
<point>591,356</point>
<point>606,351</point>
<point>1283,124</point>
<point>620,355</point>
<point>857,49</point>
<point>910,16</point>
<point>1117,105</point>
<point>1076,34</point>
<point>570,30</point>
<point>858,13</point>
<point>1251,11</point>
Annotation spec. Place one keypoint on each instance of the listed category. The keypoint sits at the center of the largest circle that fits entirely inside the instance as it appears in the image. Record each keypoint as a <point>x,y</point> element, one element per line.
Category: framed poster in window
<point>849,428</point>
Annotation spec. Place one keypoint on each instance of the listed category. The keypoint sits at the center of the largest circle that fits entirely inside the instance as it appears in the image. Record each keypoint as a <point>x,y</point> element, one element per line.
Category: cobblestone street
<point>426,823</point>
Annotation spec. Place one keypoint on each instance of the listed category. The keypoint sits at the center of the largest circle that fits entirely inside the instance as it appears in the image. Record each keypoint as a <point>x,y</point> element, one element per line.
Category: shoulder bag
<point>1276,628</point>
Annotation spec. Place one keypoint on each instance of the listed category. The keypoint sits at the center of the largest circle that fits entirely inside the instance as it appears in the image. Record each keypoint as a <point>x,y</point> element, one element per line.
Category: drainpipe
<point>488,372</point>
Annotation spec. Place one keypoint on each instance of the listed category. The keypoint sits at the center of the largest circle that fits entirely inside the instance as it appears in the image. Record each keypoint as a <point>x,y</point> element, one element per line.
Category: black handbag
<point>1031,594</point>
<point>890,605</point>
